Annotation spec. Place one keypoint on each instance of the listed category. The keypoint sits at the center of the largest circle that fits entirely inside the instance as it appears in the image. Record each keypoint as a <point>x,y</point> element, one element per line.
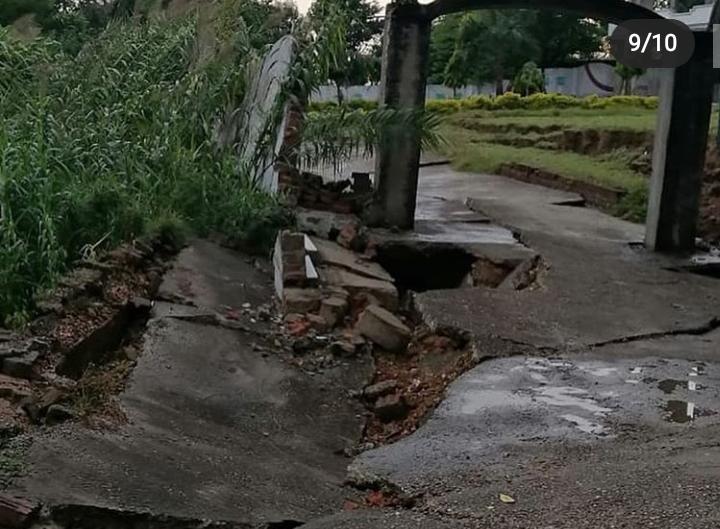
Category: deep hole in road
<point>425,266</point>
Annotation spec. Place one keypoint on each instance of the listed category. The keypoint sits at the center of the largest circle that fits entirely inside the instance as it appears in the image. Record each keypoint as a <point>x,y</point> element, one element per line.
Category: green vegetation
<point>493,45</point>
<point>547,104</point>
<point>476,141</point>
<point>103,146</point>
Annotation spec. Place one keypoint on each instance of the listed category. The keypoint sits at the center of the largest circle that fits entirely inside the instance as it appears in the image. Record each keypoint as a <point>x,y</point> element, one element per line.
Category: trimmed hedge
<point>512,101</point>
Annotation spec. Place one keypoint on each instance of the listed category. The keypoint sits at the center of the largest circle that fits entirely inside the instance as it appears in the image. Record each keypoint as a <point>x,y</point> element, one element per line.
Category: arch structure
<point>680,139</point>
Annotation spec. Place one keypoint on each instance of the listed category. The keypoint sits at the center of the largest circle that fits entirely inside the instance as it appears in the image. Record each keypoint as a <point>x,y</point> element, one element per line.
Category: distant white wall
<point>574,81</point>
<point>371,92</point>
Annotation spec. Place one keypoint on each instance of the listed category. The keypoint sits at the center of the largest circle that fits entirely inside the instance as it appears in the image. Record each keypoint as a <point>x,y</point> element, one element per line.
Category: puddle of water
<point>669,385</point>
<point>566,396</point>
<point>474,401</point>
<point>585,425</point>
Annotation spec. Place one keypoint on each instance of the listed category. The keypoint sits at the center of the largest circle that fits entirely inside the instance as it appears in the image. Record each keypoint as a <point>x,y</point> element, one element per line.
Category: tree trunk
<point>499,84</point>
<point>340,96</point>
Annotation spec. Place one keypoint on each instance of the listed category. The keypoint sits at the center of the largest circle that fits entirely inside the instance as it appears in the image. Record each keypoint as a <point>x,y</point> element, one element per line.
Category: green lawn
<point>572,118</point>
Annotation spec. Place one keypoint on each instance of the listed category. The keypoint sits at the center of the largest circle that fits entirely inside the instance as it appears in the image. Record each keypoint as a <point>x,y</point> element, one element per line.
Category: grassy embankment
<point>482,140</point>
<point>115,143</point>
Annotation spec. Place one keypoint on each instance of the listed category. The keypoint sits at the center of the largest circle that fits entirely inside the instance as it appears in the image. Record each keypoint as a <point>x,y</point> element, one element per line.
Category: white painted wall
<point>569,81</point>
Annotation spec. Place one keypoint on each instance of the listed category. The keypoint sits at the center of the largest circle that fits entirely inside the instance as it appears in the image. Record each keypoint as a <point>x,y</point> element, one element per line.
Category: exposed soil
<point>92,323</point>
<point>431,362</point>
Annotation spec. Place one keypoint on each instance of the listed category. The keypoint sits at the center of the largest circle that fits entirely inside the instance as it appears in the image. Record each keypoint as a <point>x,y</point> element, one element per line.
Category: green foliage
<point>529,80</point>
<point>627,74</point>
<point>360,60</point>
<point>492,45</point>
<point>513,101</point>
<point>102,147</point>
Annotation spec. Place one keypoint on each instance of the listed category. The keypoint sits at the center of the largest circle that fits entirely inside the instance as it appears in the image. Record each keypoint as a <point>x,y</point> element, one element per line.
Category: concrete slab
<point>597,288</point>
<point>216,430</point>
<point>577,443</point>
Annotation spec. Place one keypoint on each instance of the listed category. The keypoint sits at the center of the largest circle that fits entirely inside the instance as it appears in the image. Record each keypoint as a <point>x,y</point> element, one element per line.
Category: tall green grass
<point>95,149</point>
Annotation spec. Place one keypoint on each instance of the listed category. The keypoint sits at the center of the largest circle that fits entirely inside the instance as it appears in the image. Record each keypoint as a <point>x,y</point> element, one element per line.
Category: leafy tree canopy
<point>362,28</point>
<point>493,45</point>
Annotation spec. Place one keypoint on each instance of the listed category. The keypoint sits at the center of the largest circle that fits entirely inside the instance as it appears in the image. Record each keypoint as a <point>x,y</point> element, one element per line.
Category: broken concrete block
<point>14,388</point>
<point>301,300</point>
<point>379,389</point>
<point>20,366</point>
<point>383,328</point>
<point>333,310</point>
<point>384,291</point>
<point>391,408</point>
<point>330,253</point>
<point>16,513</point>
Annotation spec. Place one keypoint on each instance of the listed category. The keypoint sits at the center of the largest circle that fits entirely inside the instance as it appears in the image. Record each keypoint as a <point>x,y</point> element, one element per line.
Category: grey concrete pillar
<point>679,152</point>
<point>406,44</point>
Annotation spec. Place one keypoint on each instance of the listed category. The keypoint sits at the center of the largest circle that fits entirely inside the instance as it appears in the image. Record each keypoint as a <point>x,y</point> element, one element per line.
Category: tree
<point>362,28</point>
<point>563,37</point>
<point>442,45</point>
<point>529,80</point>
<point>492,46</point>
<point>627,74</point>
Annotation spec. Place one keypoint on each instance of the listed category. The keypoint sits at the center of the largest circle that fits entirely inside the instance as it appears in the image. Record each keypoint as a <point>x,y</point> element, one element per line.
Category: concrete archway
<point>680,139</point>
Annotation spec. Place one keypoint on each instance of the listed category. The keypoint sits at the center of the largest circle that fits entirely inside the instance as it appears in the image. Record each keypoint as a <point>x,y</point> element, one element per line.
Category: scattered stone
<point>58,413</point>
<point>301,300</point>
<point>384,291</point>
<point>391,408</point>
<point>20,366</point>
<point>383,328</point>
<point>14,388</point>
<point>333,310</point>
<point>380,389</point>
<point>16,513</point>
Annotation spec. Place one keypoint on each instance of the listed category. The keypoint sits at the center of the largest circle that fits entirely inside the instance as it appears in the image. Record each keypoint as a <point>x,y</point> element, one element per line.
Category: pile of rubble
<point>86,320</point>
<point>339,301</point>
<point>330,286</point>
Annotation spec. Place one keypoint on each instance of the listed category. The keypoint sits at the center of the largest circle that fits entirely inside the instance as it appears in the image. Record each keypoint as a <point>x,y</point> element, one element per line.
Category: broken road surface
<point>216,430</point>
<point>596,404</point>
